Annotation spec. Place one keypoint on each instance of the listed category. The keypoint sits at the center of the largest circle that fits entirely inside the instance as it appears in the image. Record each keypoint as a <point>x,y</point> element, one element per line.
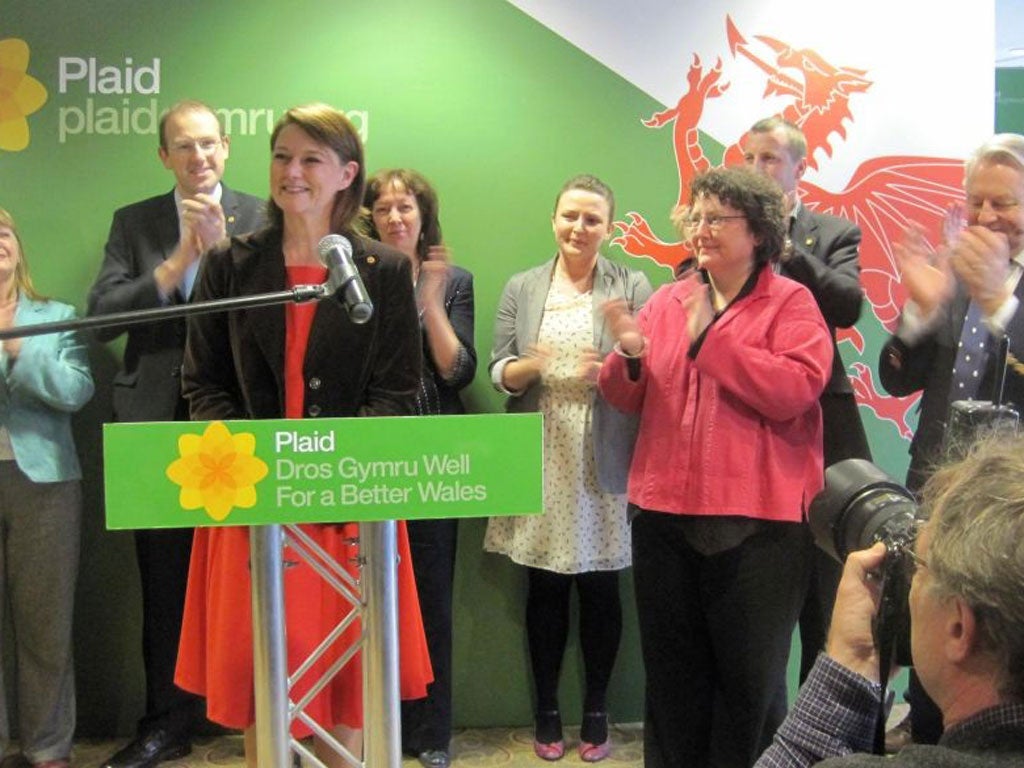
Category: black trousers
<point>163,558</point>
<point>715,631</point>
<point>427,723</point>
<point>823,574</point>
<point>844,438</point>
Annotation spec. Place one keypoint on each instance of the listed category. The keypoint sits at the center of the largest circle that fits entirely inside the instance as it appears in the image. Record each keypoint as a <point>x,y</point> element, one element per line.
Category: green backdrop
<point>497,110</point>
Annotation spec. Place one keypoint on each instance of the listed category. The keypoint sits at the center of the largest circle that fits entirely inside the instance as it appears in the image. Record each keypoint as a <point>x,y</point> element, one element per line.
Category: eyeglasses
<point>918,561</point>
<point>714,221</point>
<point>203,146</point>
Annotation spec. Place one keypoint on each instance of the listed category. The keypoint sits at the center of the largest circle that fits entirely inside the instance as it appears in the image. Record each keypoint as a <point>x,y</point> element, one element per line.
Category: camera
<point>859,506</point>
<point>970,420</point>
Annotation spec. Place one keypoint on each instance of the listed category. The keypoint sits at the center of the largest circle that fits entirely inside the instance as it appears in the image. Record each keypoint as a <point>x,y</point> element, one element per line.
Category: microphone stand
<point>300,294</point>
<point>270,659</point>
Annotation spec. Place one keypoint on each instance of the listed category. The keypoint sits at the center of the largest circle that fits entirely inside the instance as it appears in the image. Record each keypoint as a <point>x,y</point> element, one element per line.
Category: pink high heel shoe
<point>595,725</point>
<point>549,724</point>
<point>594,753</point>
<point>549,752</point>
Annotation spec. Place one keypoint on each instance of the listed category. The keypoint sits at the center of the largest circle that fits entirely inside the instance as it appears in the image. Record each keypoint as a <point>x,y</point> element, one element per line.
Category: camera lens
<point>860,505</point>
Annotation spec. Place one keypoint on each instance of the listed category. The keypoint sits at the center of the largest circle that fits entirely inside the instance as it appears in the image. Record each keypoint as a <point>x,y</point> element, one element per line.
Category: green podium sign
<point>187,474</point>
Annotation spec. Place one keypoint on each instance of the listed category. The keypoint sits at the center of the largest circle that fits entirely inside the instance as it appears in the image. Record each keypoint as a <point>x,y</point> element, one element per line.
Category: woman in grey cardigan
<point>549,339</point>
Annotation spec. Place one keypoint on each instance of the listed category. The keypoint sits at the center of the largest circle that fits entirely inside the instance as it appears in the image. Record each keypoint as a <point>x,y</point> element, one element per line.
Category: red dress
<point>215,657</point>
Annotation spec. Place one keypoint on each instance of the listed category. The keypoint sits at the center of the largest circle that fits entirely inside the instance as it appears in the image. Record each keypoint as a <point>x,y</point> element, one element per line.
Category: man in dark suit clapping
<point>822,253</point>
<point>964,298</point>
<point>152,255</point>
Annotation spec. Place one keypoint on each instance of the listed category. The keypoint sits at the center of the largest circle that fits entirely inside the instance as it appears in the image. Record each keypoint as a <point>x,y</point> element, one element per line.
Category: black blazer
<point>436,395</point>
<point>927,365</point>
<point>234,362</point>
<point>142,235</point>
<point>826,259</point>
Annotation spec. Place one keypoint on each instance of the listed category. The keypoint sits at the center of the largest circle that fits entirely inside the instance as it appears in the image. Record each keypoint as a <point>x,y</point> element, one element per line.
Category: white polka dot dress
<point>582,528</point>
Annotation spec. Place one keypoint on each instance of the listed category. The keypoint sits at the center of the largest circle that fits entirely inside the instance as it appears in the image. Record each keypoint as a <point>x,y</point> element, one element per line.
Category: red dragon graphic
<point>885,408</point>
<point>882,197</point>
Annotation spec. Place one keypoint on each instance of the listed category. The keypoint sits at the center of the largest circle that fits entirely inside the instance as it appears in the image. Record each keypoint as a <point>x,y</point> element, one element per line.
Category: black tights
<point>547,628</point>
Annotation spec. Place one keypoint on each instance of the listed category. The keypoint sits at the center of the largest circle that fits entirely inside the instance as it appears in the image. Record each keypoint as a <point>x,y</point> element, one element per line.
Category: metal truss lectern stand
<point>375,599</point>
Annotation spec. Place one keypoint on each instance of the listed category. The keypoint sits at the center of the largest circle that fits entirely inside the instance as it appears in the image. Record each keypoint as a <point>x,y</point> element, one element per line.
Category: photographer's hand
<point>850,640</point>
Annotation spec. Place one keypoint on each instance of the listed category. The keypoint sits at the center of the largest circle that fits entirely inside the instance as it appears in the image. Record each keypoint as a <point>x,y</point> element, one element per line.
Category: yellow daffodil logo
<point>20,94</point>
<point>217,471</point>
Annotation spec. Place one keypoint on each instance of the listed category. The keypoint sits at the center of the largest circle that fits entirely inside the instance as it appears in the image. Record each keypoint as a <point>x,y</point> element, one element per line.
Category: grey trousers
<point>39,549</point>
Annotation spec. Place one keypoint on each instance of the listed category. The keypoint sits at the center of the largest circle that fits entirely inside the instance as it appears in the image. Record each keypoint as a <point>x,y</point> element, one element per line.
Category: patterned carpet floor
<point>471,748</point>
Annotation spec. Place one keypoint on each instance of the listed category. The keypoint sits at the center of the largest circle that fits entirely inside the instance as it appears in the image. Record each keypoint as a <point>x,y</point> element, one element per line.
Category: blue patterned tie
<point>971,356</point>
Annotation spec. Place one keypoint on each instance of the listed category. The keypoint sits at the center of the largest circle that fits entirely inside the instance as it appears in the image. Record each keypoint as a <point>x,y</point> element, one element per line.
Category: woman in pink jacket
<point>725,369</point>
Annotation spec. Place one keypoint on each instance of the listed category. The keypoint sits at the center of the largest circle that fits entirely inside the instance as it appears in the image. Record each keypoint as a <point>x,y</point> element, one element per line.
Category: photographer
<point>967,635</point>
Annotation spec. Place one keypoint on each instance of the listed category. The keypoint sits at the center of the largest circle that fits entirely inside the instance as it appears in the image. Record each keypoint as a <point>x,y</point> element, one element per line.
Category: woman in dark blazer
<point>404,214</point>
<point>299,361</point>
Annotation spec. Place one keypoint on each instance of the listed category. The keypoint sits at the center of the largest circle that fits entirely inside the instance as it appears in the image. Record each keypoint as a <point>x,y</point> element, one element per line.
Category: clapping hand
<point>699,312</point>
<point>589,365</point>
<point>538,357</point>
<point>981,258</point>
<point>11,346</point>
<point>202,226</point>
<point>623,326</point>
<point>953,223</point>
<point>202,220</point>
<point>433,277</point>
<point>927,276</point>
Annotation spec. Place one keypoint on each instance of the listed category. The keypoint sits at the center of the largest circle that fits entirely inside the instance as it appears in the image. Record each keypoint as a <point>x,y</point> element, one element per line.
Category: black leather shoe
<point>434,758</point>
<point>149,750</point>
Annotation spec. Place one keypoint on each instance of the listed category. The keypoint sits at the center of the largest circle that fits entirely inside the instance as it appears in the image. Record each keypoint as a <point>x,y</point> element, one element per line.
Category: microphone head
<point>343,277</point>
<point>330,242</point>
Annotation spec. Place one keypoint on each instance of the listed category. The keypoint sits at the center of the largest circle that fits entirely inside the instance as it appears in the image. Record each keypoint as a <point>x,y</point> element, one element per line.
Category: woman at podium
<point>298,361</point>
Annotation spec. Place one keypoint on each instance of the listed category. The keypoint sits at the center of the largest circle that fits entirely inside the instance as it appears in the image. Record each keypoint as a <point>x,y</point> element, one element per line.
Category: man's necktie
<point>971,356</point>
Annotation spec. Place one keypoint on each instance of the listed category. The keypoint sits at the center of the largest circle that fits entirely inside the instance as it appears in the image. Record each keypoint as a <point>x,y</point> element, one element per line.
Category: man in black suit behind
<point>822,253</point>
<point>151,258</point>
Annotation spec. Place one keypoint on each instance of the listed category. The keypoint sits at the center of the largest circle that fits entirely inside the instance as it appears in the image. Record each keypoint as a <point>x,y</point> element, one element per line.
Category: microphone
<point>343,277</point>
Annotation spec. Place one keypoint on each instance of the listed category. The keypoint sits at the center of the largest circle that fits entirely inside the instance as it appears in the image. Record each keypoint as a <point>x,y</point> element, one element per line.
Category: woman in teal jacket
<point>43,380</point>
